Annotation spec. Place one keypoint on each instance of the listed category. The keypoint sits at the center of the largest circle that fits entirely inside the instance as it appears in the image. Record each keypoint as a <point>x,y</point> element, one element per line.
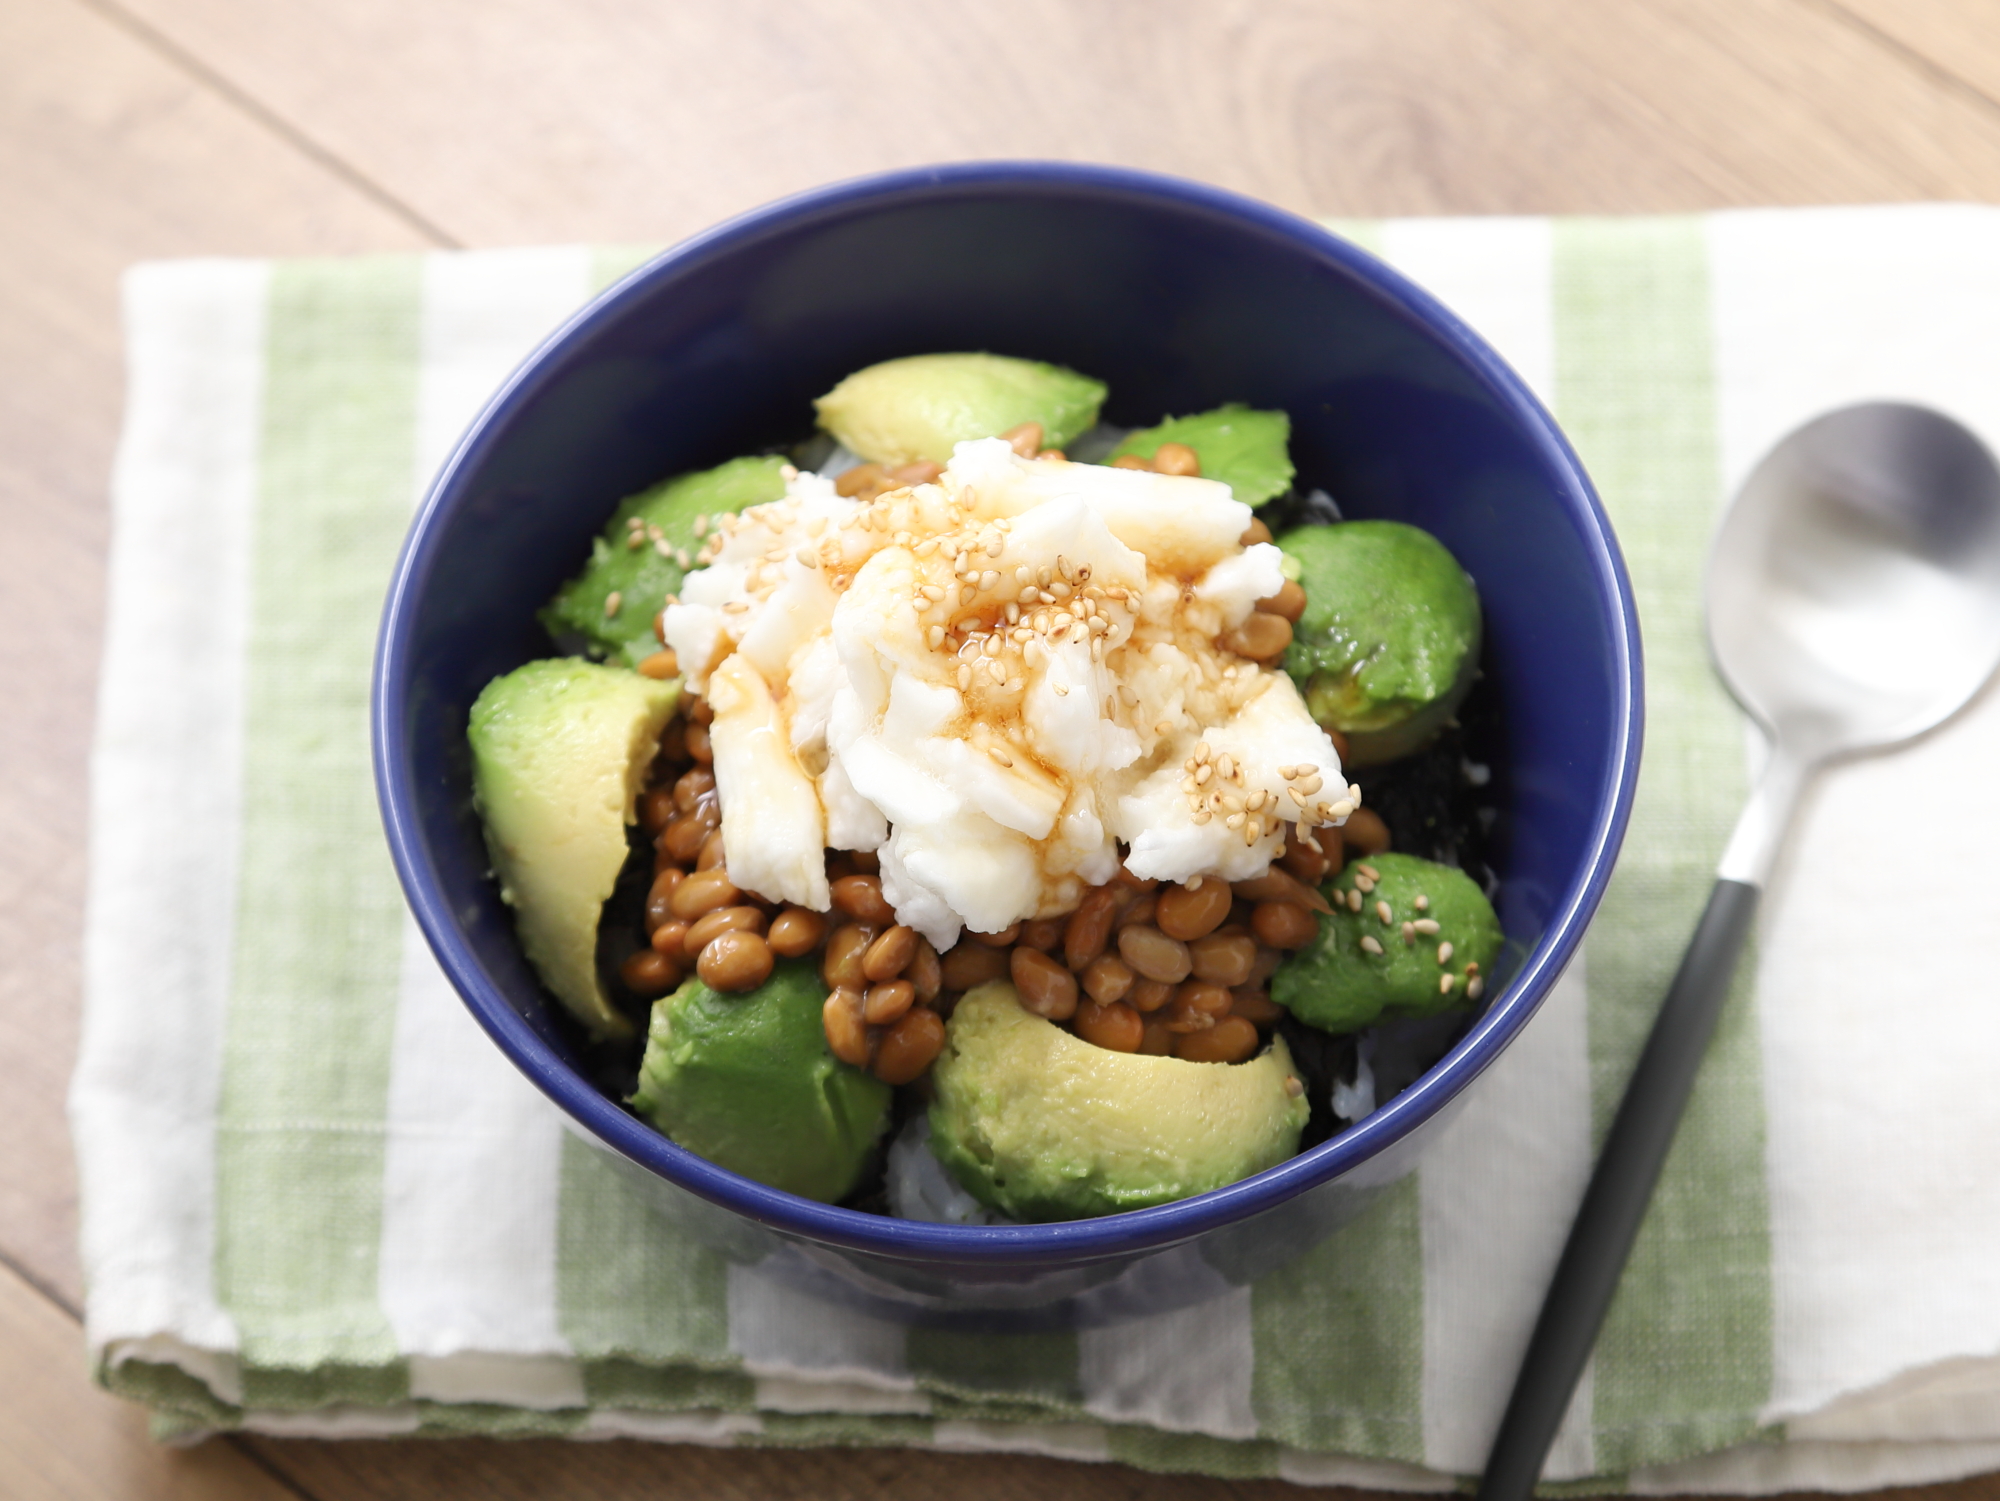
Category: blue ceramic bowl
<point>1181,297</point>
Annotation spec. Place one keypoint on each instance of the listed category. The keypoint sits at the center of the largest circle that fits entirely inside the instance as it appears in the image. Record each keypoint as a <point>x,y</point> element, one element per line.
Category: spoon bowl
<point>1854,589</point>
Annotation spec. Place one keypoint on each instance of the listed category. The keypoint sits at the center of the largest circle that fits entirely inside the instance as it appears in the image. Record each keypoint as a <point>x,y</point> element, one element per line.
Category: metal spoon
<point>1853,602</point>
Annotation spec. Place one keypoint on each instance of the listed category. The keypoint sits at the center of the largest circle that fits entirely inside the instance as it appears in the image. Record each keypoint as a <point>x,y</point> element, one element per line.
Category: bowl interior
<point>1180,298</point>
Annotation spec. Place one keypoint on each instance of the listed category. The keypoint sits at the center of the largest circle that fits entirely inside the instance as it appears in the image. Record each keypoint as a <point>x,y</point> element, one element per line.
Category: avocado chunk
<point>642,566</point>
<point>923,406</point>
<point>1362,968</point>
<point>1041,1125</point>
<point>1389,642</point>
<point>1244,448</point>
<point>560,749</point>
<point>747,1081</point>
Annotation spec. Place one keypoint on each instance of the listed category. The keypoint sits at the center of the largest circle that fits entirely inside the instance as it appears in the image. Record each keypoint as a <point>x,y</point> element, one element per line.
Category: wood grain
<point>139,128</point>
<point>1959,43</point>
<point>63,1440</point>
<point>561,119</point>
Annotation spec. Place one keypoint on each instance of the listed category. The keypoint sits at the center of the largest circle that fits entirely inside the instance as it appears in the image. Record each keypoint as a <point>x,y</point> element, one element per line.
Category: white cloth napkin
<point>315,1200</point>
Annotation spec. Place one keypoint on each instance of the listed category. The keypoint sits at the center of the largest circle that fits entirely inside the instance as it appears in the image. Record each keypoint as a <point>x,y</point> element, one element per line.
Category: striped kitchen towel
<point>317,1201</point>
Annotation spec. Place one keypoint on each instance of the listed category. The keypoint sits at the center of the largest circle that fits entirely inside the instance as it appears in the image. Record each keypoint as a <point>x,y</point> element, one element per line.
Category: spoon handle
<point>1608,1220</point>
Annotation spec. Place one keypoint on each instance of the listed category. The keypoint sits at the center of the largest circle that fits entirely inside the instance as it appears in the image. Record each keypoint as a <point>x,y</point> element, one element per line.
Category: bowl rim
<point>1066,1242</point>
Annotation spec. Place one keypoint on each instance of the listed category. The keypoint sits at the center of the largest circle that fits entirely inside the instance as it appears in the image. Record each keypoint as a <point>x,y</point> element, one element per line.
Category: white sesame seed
<point>1369,945</point>
<point>1257,800</point>
<point>1475,986</point>
<point>1423,902</point>
<point>1233,821</point>
<point>1369,871</point>
<point>1202,773</point>
<point>1293,1087</point>
<point>1444,953</point>
<point>1062,689</point>
<point>611,603</point>
<point>935,636</point>
<point>1444,984</point>
<point>1382,911</point>
<point>1353,901</point>
<point>999,755</point>
<point>1426,926</point>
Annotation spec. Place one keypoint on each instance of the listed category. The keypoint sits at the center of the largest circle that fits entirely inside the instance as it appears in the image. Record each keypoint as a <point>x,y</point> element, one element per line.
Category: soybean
<point>795,932</point>
<point>1154,955</point>
<point>1115,1027</point>
<point>1045,987</point>
<point>735,961</point>
<point>1230,1040</point>
<point>1184,914</point>
<point>909,1047</point>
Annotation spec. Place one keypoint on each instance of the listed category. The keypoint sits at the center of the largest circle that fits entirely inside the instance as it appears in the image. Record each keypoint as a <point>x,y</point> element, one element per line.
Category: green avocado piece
<point>747,1081</point>
<point>560,749</point>
<point>643,576</point>
<point>1244,448</point>
<point>922,406</point>
<point>1389,642</point>
<point>1041,1125</point>
<point>1339,983</point>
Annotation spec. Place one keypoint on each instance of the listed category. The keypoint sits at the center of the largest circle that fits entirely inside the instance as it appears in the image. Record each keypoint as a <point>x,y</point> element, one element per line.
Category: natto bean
<point>735,961</point>
<point>1045,987</point>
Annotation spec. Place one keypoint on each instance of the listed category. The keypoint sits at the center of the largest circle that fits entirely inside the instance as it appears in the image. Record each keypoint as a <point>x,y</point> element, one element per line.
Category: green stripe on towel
<point>1339,1336</point>
<point>306,1060</point>
<point>983,1368</point>
<point>631,1288</point>
<point>1685,1359</point>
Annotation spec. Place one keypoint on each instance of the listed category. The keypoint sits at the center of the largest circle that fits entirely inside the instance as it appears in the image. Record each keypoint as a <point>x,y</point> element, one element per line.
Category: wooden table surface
<point>147,128</point>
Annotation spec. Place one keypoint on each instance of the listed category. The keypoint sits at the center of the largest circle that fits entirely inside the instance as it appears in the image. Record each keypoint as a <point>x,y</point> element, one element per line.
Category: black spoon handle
<point>1607,1222</point>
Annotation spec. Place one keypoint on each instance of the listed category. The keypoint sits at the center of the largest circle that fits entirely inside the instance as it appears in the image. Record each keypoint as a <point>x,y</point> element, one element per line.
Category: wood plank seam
<point>262,114</point>
<point>45,1289</point>
<point>1930,66</point>
<point>255,1454</point>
